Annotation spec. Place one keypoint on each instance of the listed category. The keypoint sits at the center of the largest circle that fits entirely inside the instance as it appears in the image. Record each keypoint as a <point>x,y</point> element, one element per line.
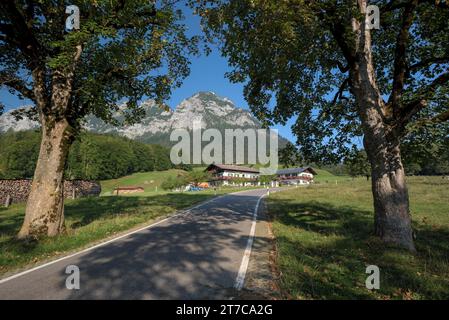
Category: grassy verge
<point>89,220</point>
<point>324,240</point>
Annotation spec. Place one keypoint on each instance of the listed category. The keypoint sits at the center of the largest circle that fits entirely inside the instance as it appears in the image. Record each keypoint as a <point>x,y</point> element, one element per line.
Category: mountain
<point>8,122</point>
<point>214,111</point>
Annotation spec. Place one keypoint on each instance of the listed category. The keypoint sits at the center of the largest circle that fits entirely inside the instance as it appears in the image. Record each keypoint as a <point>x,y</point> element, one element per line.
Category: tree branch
<point>444,116</point>
<point>444,4</point>
<point>400,63</point>
<point>149,13</point>
<point>395,5</point>
<point>18,33</point>
<point>338,34</point>
<point>336,25</point>
<point>341,67</point>
<point>413,107</point>
<point>439,118</point>
<point>427,62</point>
<point>16,84</point>
<point>339,94</point>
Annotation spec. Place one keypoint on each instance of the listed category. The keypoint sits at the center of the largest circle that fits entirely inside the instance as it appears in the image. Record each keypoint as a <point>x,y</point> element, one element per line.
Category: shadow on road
<point>195,256</point>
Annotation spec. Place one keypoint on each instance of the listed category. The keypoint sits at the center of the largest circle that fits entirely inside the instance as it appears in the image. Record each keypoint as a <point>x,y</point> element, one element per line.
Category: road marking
<point>240,280</point>
<point>109,241</point>
<point>120,237</point>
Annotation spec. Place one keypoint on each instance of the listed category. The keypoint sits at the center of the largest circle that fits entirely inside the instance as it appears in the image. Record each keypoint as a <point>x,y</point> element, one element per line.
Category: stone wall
<point>18,190</point>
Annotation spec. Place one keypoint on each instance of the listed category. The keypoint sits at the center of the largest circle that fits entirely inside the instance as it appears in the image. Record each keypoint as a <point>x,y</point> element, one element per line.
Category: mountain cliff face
<point>8,122</point>
<point>214,111</point>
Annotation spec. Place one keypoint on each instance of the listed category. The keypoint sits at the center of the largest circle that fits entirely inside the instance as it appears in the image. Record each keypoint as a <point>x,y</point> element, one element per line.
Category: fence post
<point>8,201</point>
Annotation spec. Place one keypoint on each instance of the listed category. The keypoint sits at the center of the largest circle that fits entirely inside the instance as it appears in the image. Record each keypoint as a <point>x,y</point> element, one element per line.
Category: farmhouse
<point>295,176</point>
<point>223,175</point>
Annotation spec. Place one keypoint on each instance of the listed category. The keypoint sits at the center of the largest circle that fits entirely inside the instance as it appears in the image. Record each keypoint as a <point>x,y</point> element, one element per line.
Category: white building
<point>295,176</point>
<point>223,175</point>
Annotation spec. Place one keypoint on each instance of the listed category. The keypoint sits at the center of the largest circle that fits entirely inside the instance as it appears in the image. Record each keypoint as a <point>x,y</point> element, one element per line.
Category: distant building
<point>223,175</point>
<point>128,190</point>
<point>295,176</point>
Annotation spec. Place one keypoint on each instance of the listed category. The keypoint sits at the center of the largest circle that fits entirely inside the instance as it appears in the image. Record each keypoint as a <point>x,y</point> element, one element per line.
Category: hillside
<point>147,180</point>
<point>92,156</point>
<point>326,176</point>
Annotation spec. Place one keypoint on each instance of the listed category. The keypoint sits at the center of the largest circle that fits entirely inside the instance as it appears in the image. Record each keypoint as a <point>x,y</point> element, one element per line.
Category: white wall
<point>239,174</point>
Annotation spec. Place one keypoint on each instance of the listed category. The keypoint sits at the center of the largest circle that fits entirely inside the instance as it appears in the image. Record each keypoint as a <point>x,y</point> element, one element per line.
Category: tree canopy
<point>81,63</point>
<point>324,63</point>
<point>289,156</point>
<point>123,50</point>
<point>299,52</point>
<point>357,164</point>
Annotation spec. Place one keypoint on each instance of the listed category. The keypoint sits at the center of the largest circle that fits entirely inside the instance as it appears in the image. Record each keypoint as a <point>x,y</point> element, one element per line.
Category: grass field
<point>324,176</point>
<point>90,220</point>
<point>324,241</point>
<point>147,180</point>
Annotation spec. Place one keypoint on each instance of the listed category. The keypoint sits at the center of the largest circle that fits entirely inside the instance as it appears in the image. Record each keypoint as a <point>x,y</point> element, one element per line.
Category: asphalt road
<point>196,254</point>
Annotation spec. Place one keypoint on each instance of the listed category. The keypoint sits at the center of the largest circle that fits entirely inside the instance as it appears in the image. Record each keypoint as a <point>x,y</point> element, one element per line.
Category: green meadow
<point>324,239</point>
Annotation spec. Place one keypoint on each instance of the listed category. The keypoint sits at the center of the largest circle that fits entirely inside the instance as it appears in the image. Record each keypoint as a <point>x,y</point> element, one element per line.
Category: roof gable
<point>296,170</point>
<point>231,168</point>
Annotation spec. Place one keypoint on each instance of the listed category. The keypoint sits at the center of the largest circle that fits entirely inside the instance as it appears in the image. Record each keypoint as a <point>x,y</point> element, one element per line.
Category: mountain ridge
<point>155,127</point>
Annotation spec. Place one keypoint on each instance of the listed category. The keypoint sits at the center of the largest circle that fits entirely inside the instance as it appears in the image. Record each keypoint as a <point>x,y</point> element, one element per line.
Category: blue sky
<point>207,74</point>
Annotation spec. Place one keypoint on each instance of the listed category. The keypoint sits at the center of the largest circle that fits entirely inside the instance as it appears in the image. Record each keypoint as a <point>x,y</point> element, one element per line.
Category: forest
<point>91,156</point>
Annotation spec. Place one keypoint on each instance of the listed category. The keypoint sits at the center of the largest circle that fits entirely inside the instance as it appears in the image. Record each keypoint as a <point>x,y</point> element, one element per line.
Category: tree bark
<point>391,205</point>
<point>392,221</point>
<point>44,213</point>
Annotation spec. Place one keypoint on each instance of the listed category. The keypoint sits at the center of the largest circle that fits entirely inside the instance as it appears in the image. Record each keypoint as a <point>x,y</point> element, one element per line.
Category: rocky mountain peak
<point>215,112</point>
<point>8,122</point>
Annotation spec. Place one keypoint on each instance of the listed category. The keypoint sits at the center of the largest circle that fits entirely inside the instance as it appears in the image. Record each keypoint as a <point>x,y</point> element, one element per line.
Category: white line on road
<point>106,242</point>
<point>240,280</point>
<point>119,237</point>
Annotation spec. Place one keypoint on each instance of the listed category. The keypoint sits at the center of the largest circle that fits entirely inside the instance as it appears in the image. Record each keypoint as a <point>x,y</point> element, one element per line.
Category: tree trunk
<point>391,206</point>
<point>44,213</point>
<point>392,220</point>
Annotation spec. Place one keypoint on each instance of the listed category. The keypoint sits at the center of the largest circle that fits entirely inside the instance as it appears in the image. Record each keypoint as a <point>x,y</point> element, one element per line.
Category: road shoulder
<point>261,276</point>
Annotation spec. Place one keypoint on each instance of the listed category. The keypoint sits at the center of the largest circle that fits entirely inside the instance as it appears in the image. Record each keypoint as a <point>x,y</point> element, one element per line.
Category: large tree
<point>289,156</point>
<point>343,79</point>
<point>425,150</point>
<point>122,50</point>
<point>357,164</point>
